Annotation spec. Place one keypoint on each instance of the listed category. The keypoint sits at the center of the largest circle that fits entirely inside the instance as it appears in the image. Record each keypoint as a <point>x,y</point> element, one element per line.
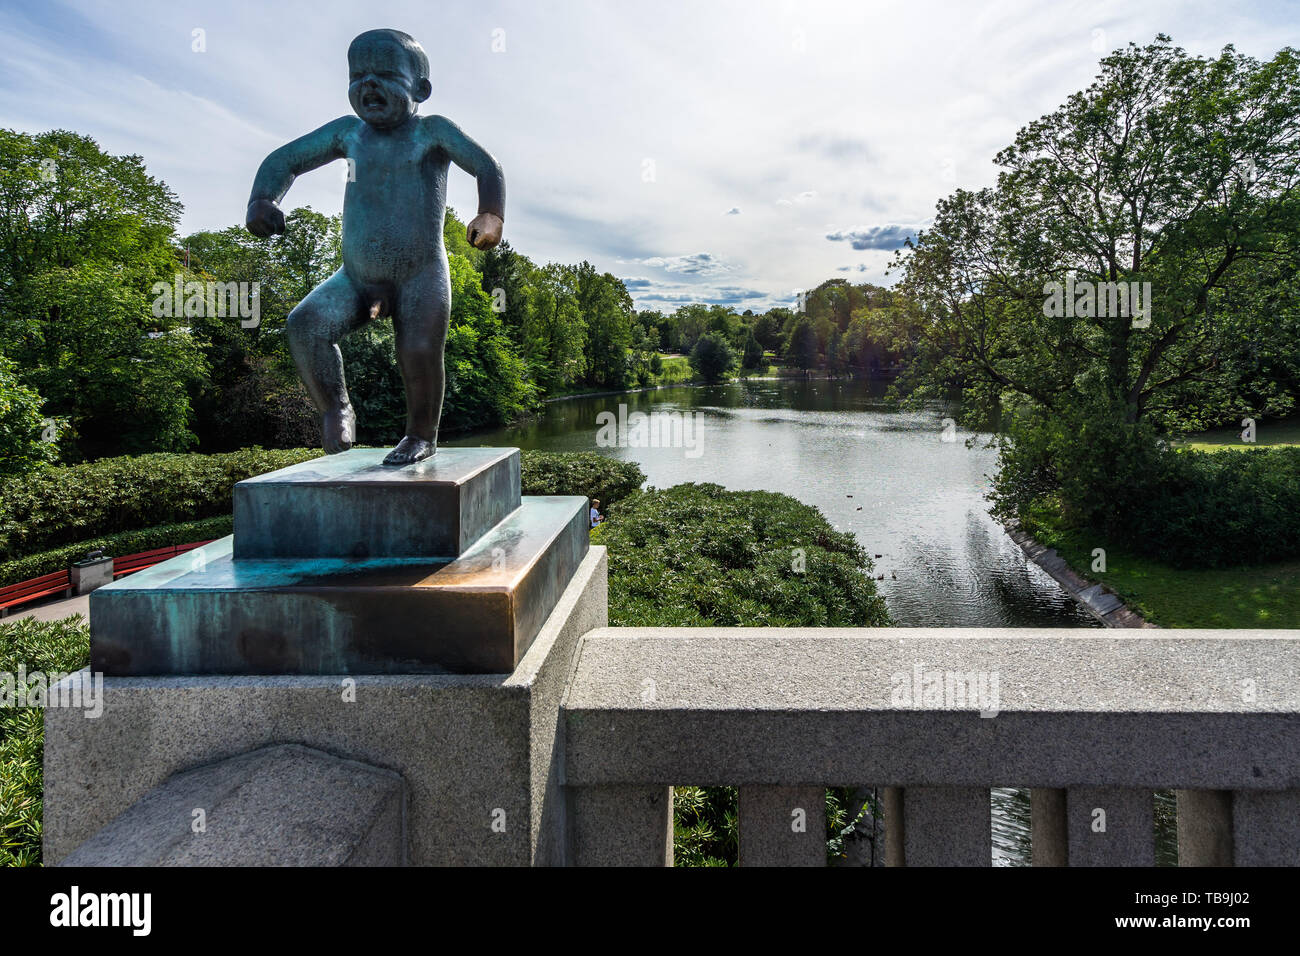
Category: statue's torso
<point>393,210</point>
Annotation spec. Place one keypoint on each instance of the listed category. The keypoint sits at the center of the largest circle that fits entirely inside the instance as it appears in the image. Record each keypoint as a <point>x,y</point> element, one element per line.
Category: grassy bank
<point>1284,432</point>
<point>1250,596</point>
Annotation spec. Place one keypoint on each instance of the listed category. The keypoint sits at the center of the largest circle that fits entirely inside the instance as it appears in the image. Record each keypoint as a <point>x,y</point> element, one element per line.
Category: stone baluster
<point>620,825</point>
<point>782,826</point>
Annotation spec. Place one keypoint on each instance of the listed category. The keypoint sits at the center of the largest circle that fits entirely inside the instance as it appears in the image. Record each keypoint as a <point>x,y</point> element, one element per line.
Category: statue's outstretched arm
<point>476,161</point>
<point>282,167</point>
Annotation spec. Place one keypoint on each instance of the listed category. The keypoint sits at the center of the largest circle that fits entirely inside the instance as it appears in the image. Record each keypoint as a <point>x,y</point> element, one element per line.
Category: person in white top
<point>595,512</point>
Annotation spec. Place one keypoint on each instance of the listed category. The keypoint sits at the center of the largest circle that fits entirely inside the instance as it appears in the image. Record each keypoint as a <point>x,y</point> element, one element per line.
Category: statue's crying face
<point>383,87</point>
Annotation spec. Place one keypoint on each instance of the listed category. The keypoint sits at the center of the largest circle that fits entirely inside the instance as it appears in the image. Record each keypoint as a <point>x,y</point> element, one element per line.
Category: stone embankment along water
<point>1097,599</point>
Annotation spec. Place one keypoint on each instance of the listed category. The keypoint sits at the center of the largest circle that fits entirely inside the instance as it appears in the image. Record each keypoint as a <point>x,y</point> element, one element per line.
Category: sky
<point>702,151</point>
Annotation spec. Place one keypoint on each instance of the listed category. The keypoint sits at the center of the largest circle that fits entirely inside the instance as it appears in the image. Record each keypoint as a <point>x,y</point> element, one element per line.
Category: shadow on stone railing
<point>1092,723</point>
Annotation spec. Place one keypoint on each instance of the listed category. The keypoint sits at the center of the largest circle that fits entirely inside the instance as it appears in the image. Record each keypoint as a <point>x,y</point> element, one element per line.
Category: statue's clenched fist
<point>264,218</point>
<point>484,231</point>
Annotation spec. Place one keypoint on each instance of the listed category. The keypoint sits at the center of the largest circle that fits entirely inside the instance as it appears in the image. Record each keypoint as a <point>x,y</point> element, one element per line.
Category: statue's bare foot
<point>410,449</point>
<point>340,429</point>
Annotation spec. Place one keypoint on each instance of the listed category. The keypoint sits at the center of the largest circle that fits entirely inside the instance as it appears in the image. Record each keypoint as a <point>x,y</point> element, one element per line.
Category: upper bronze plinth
<point>351,505</point>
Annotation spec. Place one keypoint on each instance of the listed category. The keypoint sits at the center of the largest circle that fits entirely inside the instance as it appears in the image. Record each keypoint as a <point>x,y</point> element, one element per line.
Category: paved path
<point>55,610</point>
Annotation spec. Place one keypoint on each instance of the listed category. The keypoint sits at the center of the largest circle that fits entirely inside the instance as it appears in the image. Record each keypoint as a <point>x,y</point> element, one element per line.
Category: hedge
<point>1219,509</point>
<point>120,505</point>
<point>126,542</point>
<point>49,647</point>
<point>1184,507</point>
<point>579,473</point>
<point>75,503</point>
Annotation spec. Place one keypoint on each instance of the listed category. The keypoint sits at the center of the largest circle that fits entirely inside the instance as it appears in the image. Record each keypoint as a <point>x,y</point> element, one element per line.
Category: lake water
<point>887,476</point>
<point>911,497</point>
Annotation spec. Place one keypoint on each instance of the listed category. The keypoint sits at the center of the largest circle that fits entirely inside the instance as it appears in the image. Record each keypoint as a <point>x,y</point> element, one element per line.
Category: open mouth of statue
<point>373,101</point>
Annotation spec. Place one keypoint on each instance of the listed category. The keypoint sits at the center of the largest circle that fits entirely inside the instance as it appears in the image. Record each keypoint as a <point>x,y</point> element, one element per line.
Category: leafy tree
<point>253,395</point>
<point>1175,171</point>
<point>606,309</point>
<point>83,238</point>
<point>487,381</point>
<point>752,356</point>
<point>802,350</point>
<point>506,277</point>
<point>692,322</point>
<point>712,358</point>
<point>1169,169</point>
<point>836,360</point>
<point>554,330</point>
<point>767,329</point>
<point>27,439</point>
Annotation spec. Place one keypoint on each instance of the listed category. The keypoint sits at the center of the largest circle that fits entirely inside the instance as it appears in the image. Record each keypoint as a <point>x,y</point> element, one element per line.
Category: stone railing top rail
<point>1046,669</point>
<point>789,706</point>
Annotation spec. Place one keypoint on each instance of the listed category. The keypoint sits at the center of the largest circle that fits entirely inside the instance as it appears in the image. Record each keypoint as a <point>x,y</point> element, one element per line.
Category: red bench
<point>35,588</point>
<point>128,563</point>
<point>61,581</point>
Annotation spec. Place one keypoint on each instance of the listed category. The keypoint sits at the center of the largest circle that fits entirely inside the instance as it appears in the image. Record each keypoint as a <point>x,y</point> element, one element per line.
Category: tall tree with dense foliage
<point>253,396</point>
<point>802,350</point>
<point>555,330</point>
<point>712,358</point>
<point>1170,169</point>
<point>83,238</point>
<point>752,354</point>
<point>606,308</point>
<point>1173,177</point>
<point>27,438</point>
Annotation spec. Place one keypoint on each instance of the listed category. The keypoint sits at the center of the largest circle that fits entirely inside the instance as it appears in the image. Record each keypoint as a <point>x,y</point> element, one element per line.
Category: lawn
<point>1284,431</point>
<point>1256,596</point>
<point>763,371</point>
<point>677,368</point>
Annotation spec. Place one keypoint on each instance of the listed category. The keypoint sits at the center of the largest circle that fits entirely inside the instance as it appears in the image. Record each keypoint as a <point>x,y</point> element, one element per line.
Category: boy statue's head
<point>388,77</point>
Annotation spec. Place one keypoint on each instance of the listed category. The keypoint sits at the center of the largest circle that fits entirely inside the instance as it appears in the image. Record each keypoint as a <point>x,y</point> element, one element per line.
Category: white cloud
<point>796,113</point>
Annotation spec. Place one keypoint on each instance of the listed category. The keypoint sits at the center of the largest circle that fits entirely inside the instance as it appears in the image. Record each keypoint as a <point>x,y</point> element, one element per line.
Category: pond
<point>887,476</point>
<point>904,482</point>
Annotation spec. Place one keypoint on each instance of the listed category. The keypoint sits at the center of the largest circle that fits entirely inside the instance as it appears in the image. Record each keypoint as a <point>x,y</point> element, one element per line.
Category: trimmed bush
<point>579,473</point>
<point>75,503</point>
<point>76,507</point>
<point>115,545</point>
<point>50,647</point>
<point>697,555</point>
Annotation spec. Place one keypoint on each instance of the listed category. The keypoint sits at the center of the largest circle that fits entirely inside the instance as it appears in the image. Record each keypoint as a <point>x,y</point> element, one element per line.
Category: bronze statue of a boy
<point>394,261</point>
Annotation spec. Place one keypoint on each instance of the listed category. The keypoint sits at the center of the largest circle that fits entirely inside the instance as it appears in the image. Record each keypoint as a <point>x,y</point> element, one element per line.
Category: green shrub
<point>71,504</point>
<point>126,542</point>
<point>1188,508</point>
<point>1221,510</point>
<point>696,555</point>
<point>579,473</point>
<point>49,647</point>
<point>78,506</point>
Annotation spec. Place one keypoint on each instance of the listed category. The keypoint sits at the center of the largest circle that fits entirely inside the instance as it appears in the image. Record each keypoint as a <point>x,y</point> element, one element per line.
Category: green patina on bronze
<point>394,261</point>
<point>209,613</point>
